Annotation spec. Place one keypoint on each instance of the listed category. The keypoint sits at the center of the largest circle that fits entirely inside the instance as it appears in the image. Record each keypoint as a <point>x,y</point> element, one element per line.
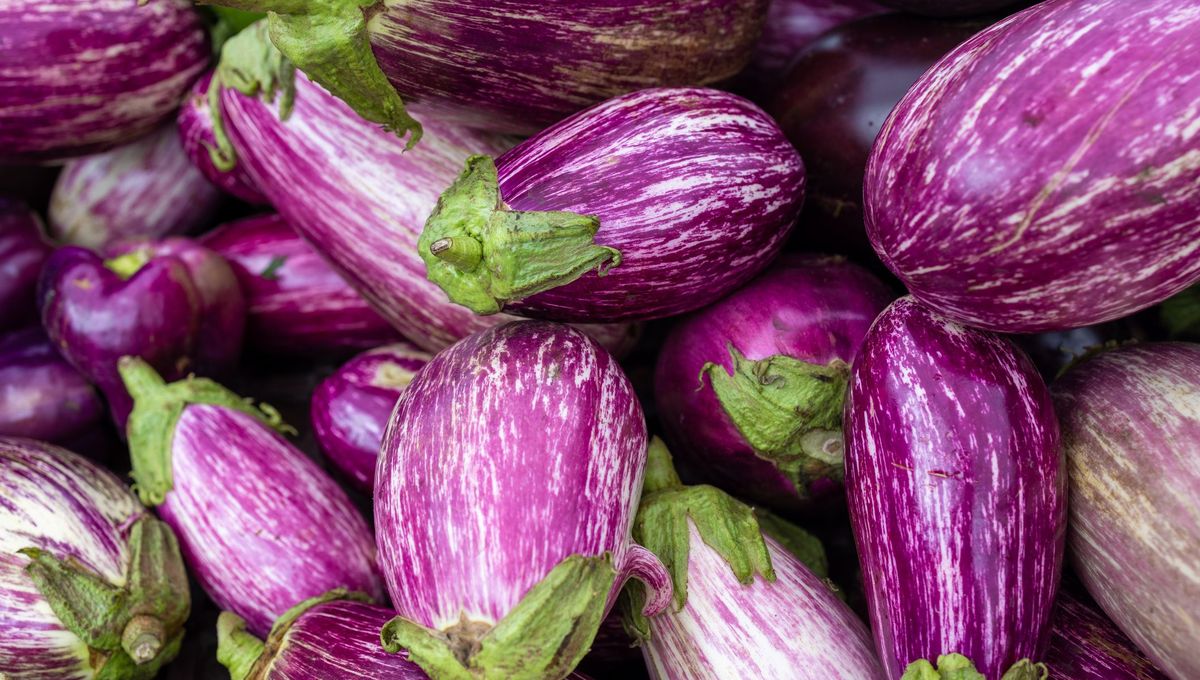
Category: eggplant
<point>957,491</point>
<point>22,253</point>
<point>1130,420</point>
<point>1084,645</point>
<point>504,537</point>
<point>85,76</point>
<point>951,8</point>
<point>196,132</point>
<point>750,389</point>
<point>144,189</point>
<point>1044,174</point>
<point>743,606</point>
<point>261,526</point>
<point>41,395</point>
<point>648,205</point>
<point>350,408</point>
<point>296,305</point>
<point>92,586</point>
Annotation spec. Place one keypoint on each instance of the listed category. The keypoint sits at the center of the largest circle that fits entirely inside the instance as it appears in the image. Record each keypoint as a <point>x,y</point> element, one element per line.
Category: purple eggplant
<point>22,252</point>
<point>199,141</point>
<point>350,408</point>
<point>91,585</point>
<point>950,8</point>
<point>1044,174</point>
<point>1086,646</point>
<point>295,304</point>
<point>41,395</point>
<point>1130,421</point>
<point>750,390</point>
<point>145,189</point>
<point>743,606</point>
<point>957,493</point>
<point>261,526</point>
<point>648,205</point>
<point>83,76</point>
<point>504,536</point>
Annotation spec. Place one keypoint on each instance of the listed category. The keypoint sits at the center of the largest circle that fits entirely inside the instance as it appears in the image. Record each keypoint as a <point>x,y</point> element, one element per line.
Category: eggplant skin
<point>1046,173</point>
<point>1084,645</point>
<point>957,492</point>
<point>1131,422</point>
<point>195,124</point>
<point>82,76</point>
<point>41,395</point>
<point>339,639</point>
<point>23,250</point>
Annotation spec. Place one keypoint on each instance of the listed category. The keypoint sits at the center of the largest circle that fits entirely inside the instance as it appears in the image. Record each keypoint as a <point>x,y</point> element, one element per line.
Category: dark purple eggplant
<point>41,395</point>
<point>22,252</point>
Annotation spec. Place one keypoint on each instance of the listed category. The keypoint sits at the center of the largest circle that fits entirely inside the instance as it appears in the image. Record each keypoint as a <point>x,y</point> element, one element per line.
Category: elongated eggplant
<point>1084,645</point>
<point>144,189</point>
<point>261,526</point>
<point>1130,420</point>
<point>1046,173</point>
<point>41,395</point>
<point>750,390</point>
<point>22,253</point>
<point>83,76</point>
<point>957,493</point>
<point>91,585</point>
<point>199,140</point>
<point>504,537</point>
<point>648,205</point>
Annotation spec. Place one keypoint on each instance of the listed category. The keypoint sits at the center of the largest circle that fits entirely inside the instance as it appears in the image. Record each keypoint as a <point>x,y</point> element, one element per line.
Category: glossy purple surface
<point>22,252</point>
<point>81,76</point>
<point>807,307</point>
<point>350,408</point>
<point>957,491</point>
<point>41,395</point>
<point>1044,174</point>
<point>1084,645</point>
<point>340,639</point>
<point>195,125</point>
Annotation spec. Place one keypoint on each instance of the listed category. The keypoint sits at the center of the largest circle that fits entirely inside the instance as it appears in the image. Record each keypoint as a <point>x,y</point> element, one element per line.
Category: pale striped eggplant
<point>648,205</point>
<point>1084,645</point>
<point>91,585</point>
<point>1046,173</point>
<point>296,305</point>
<point>22,252</point>
<point>506,487</point>
<point>1131,426</point>
<point>82,76</point>
<point>261,526</point>
<point>958,496</point>
<point>195,123</point>
<point>144,189</point>
<point>743,606</point>
<point>41,395</point>
<point>764,419</point>
<point>351,408</point>
<point>951,8</point>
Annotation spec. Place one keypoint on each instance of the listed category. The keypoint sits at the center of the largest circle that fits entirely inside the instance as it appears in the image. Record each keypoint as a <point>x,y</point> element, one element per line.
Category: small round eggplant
<point>41,395</point>
<point>23,250</point>
<point>199,139</point>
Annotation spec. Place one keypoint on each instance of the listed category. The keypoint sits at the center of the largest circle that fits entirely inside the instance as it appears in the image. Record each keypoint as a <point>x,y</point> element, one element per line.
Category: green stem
<point>237,650</point>
<point>660,471</point>
<point>128,264</point>
<point>959,667</point>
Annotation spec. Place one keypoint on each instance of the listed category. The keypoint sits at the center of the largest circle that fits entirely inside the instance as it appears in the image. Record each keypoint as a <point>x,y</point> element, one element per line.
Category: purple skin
<point>41,395</point>
<point>1043,175</point>
<point>196,132</point>
<point>83,76</point>
<point>1084,645</point>
<point>1128,419</point>
<point>296,304</point>
<point>957,492</point>
<point>144,189</point>
<point>950,8</point>
<point>812,308</point>
<point>350,408</point>
<point>22,252</point>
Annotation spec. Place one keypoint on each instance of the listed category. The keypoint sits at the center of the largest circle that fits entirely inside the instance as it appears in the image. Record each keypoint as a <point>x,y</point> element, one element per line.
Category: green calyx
<point>789,411</point>
<point>157,407</point>
<point>959,667</point>
<point>131,629</point>
<point>801,544</point>
<point>484,255</point>
<point>1181,314</point>
<point>128,264</point>
<point>544,636</point>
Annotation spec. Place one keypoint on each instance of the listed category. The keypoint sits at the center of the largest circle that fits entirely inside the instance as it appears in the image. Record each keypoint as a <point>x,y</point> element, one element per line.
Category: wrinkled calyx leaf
<point>484,255</point>
<point>544,636</point>
<point>157,407</point>
<point>959,667</point>
<point>132,628</point>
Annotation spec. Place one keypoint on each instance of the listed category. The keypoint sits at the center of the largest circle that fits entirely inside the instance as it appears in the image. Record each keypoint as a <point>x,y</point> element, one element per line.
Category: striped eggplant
<point>957,493</point>
<point>91,585</point>
<point>82,76</point>
<point>295,304</point>
<point>1084,645</point>
<point>743,606</point>
<point>144,189</point>
<point>1046,173</point>
<point>261,526</point>
<point>195,123</point>
<point>504,537</point>
<point>350,408</point>
<point>1131,424</point>
<point>22,253</point>
<point>764,420</point>
<point>41,395</point>
<point>951,8</point>
<point>645,206</point>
